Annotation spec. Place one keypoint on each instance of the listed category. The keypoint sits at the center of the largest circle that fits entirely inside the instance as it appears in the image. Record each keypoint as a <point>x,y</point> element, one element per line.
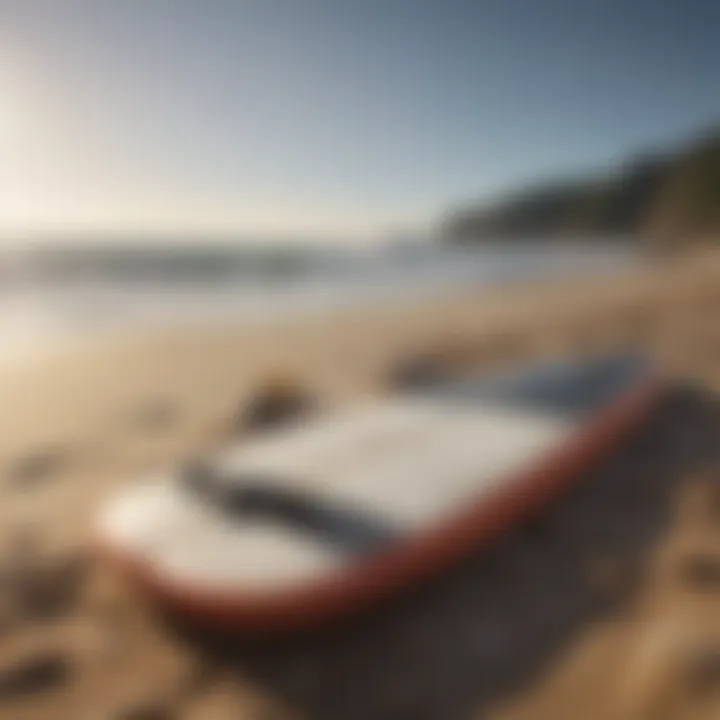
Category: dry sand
<point>86,418</point>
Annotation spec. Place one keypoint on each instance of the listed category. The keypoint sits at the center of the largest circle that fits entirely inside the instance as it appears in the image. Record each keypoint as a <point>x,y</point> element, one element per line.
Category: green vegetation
<point>670,198</point>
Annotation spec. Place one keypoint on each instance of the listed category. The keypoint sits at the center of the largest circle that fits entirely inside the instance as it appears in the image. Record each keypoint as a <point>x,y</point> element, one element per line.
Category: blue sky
<point>335,118</point>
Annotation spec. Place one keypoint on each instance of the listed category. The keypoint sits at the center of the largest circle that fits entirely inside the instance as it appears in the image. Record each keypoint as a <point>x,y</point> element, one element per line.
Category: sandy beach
<point>86,417</point>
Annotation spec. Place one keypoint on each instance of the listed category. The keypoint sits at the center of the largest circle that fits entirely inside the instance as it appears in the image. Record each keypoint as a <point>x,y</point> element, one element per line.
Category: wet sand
<point>608,606</point>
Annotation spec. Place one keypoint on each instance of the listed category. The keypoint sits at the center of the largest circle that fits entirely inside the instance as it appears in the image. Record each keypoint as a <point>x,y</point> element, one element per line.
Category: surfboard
<point>319,519</point>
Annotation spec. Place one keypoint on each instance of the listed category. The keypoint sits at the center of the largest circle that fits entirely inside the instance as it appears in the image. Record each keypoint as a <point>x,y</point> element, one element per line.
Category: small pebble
<point>272,410</point>
<point>703,669</point>
<point>30,675</point>
<point>702,571</point>
<point>45,590</point>
<point>36,468</point>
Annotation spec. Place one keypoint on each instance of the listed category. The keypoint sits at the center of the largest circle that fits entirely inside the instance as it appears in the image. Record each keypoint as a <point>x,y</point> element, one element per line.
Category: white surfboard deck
<point>411,462</point>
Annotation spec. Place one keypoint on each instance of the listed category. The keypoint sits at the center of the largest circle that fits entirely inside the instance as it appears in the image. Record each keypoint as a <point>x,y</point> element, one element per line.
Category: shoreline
<point>209,367</point>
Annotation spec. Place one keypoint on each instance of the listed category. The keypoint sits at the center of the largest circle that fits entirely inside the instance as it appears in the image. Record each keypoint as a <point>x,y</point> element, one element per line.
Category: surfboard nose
<point>134,519</point>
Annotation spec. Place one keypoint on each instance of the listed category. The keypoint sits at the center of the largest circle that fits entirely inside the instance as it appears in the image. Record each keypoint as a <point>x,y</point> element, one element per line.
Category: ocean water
<point>53,292</point>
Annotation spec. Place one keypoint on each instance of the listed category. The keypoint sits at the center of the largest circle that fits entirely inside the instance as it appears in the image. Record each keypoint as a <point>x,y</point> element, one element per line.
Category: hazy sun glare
<point>55,177</point>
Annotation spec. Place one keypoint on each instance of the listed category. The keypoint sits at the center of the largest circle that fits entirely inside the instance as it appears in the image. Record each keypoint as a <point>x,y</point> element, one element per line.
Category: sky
<point>343,119</point>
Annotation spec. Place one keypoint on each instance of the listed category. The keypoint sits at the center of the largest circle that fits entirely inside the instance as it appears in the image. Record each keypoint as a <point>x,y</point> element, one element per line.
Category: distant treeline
<point>669,198</point>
